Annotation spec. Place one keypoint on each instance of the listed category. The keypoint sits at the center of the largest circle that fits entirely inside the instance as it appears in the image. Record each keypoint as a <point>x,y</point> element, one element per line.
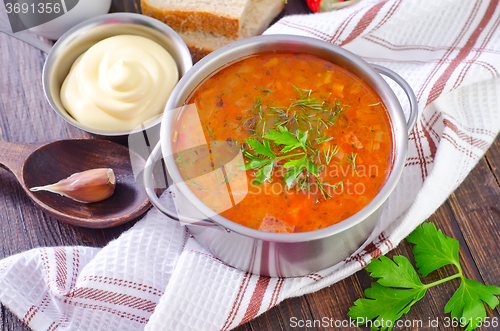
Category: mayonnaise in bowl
<point>119,83</point>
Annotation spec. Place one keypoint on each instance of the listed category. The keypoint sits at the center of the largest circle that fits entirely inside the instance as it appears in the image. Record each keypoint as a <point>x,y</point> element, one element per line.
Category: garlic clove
<point>86,186</point>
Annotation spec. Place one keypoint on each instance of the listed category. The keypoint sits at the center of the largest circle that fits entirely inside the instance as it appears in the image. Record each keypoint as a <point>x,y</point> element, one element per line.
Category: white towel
<point>156,276</point>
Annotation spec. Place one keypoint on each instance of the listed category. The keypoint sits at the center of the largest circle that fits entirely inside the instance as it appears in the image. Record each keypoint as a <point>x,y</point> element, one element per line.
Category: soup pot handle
<point>150,191</point>
<point>406,88</point>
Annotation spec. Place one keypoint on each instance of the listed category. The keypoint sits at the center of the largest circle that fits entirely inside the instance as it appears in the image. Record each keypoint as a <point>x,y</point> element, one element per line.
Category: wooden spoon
<point>40,164</point>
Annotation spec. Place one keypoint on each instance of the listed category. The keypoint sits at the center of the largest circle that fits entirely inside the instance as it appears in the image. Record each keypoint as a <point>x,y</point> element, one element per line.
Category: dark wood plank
<point>334,301</point>
<point>279,317</point>
<point>471,215</point>
<point>493,162</point>
<point>25,116</point>
<point>446,220</point>
<point>132,6</point>
<point>476,204</point>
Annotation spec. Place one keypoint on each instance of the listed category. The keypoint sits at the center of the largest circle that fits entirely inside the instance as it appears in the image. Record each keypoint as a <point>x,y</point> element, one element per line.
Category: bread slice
<point>259,15</point>
<point>222,17</point>
<point>201,43</point>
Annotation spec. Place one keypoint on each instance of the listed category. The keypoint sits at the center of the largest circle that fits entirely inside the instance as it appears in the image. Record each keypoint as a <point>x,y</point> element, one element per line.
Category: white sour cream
<point>119,83</point>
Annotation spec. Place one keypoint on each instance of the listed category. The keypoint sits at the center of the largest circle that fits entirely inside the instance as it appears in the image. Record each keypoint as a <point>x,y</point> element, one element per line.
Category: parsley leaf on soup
<point>263,174</point>
<point>284,137</point>
<point>261,148</point>
<point>264,158</point>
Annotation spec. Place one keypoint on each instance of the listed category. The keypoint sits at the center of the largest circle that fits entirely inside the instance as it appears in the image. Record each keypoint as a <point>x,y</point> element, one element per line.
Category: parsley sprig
<point>265,159</point>
<point>399,286</point>
<point>289,136</point>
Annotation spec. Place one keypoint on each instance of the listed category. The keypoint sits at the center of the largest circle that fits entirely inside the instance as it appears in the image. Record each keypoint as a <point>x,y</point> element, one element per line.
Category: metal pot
<point>280,254</point>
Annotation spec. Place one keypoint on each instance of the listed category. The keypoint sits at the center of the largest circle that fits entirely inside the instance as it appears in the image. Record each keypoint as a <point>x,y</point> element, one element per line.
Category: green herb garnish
<point>265,90</point>
<point>330,153</point>
<point>190,181</point>
<point>243,121</point>
<point>352,160</point>
<point>290,133</point>
<point>399,286</point>
<point>265,158</point>
<point>323,139</point>
<point>211,134</point>
<point>336,186</point>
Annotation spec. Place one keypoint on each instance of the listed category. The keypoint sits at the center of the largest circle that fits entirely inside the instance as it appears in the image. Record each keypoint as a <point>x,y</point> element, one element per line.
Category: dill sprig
<point>323,139</point>
<point>336,186</point>
<point>190,181</point>
<point>330,153</point>
<point>352,160</point>
<point>211,133</point>
<point>243,121</point>
<point>288,136</point>
<point>181,159</point>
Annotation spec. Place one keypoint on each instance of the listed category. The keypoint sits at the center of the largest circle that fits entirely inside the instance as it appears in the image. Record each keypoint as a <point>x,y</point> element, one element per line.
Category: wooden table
<point>471,214</point>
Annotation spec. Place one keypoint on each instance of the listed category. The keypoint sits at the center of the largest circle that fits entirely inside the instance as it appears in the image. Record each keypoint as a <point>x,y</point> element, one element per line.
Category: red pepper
<point>325,5</point>
<point>314,5</point>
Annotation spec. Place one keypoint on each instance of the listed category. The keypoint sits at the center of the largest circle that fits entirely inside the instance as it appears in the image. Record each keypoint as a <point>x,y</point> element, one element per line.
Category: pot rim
<point>215,61</point>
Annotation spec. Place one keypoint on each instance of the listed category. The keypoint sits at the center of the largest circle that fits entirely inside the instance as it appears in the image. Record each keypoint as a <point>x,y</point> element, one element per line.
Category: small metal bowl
<point>80,38</point>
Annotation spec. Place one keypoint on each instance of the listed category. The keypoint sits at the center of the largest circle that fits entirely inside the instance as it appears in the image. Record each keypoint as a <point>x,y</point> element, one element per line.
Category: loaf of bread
<point>221,17</point>
<point>206,25</point>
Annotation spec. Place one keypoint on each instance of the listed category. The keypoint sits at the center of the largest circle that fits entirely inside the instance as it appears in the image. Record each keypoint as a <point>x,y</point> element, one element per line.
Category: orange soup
<point>308,143</point>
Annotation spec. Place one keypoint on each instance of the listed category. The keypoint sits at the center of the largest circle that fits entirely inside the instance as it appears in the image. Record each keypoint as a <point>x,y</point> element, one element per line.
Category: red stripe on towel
<point>113,298</point>
<point>61,268</point>
<point>237,301</point>
<point>439,85</point>
<point>365,21</point>
<point>256,300</point>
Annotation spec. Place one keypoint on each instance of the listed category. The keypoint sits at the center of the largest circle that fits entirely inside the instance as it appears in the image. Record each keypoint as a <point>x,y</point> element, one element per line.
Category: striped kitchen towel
<point>157,277</point>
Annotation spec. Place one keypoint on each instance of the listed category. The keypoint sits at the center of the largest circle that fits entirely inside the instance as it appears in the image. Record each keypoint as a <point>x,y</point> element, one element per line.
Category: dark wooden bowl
<point>49,163</point>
